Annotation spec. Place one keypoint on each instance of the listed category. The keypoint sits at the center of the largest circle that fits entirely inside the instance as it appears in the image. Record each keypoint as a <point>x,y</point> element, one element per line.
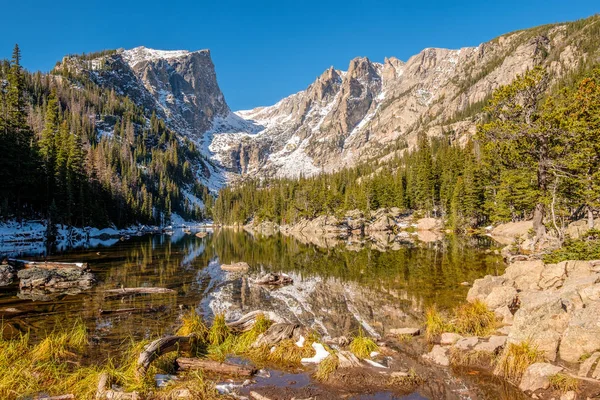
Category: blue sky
<point>266,50</point>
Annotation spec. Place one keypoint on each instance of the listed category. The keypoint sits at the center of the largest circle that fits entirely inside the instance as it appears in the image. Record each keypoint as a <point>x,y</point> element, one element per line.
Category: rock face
<point>7,275</point>
<point>344,117</point>
<point>555,306</point>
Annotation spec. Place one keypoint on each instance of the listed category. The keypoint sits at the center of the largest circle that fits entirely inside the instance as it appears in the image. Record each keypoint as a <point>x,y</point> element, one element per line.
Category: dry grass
<point>564,383</point>
<point>515,359</point>
<point>195,386</point>
<point>362,346</point>
<point>219,331</point>
<point>192,323</point>
<point>327,367</point>
<point>474,319</point>
<point>470,358</point>
<point>435,324</point>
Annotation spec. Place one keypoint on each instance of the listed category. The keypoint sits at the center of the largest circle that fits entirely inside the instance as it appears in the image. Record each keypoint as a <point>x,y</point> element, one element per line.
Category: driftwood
<point>216,367</point>
<point>278,332</point>
<point>201,235</point>
<point>236,267</point>
<point>133,310</point>
<point>45,264</point>
<point>61,397</point>
<point>275,280</point>
<point>247,321</point>
<point>103,392</point>
<point>133,291</point>
<point>159,347</point>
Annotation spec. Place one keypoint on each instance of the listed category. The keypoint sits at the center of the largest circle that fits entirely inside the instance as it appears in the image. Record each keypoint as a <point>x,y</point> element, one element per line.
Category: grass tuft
<point>564,383</point>
<point>410,380</point>
<point>327,367</point>
<point>192,323</point>
<point>435,324</point>
<point>474,319</point>
<point>219,331</point>
<point>362,346</point>
<point>515,359</point>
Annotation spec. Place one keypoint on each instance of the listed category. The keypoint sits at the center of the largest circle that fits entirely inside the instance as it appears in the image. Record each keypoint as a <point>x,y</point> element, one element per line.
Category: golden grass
<point>245,340</point>
<point>435,324</point>
<point>362,346</point>
<point>564,383</point>
<point>192,323</point>
<point>195,386</point>
<point>515,359</point>
<point>470,358</point>
<point>327,367</point>
<point>219,331</point>
<point>468,319</point>
<point>474,319</point>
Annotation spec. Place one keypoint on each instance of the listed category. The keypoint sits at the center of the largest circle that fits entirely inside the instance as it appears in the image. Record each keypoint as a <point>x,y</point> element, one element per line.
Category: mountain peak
<point>141,54</point>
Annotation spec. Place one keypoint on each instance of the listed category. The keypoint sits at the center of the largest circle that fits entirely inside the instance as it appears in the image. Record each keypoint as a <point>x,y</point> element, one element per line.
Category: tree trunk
<point>215,367</point>
<point>538,222</point>
<point>590,217</point>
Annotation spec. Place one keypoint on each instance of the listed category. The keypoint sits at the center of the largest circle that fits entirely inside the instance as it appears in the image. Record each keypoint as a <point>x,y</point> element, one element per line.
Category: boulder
<point>542,319</point>
<point>582,336</point>
<point>7,274</point>
<point>466,343</point>
<point>448,338</point>
<point>500,296</point>
<point>381,223</point>
<point>570,395</point>
<point>483,287</point>
<point>507,233</point>
<point>525,275</point>
<point>438,355</point>
<point>552,276</point>
<point>493,345</point>
<point>504,315</point>
<point>537,376</point>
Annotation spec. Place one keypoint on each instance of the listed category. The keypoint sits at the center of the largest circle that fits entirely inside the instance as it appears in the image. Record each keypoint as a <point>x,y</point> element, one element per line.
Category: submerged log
<point>216,367</point>
<point>36,277</point>
<point>247,321</point>
<point>277,333</point>
<point>236,267</point>
<point>133,310</point>
<point>20,264</point>
<point>275,280</point>
<point>133,291</point>
<point>159,347</point>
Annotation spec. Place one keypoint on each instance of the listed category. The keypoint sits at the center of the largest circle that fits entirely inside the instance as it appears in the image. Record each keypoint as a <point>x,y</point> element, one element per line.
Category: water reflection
<point>336,288</point>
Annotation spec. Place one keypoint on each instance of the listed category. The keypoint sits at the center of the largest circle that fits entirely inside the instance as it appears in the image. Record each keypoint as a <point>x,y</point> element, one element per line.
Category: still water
<point>338,289</point>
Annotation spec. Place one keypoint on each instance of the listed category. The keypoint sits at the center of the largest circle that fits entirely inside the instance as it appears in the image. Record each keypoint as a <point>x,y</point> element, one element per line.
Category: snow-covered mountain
<point>343,117</point>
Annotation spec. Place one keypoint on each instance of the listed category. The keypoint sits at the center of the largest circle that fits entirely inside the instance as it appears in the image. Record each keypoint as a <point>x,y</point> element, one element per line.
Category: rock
<point>405,331</point>
<point>507,233</point>
<point>570,395</point>
<point>383,222</point>
<point>483,287</point>
<point>504,315</point>
<point>438,355</point>
<point>466,343</point>
<point>62,278</point>
<point>500,296</point>
<point>271,279</point>
<point>493,345</point>
<point>236,267</point>
<point>525,275</point>
<point>448,338</point>
<point>582,336</point>
<point>347,359</point>
<point>552,276</point>
<point>588,365</point>
<point>429,224</point>
<point>542,319</point>
<point>505,330</point>
<point>7,275</point>
<point>537,376</point>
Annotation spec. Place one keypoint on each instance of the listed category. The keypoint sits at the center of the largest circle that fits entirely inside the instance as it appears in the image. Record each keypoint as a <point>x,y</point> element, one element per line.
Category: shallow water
<point>336,290</point>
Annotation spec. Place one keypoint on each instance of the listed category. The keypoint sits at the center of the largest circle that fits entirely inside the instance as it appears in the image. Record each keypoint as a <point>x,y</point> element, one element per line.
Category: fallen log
<point>159,347</point>
<point>236,267</point>
<point>20,264</point>
<point>224,368</point>
<point>277,333</point>
<point>134,291</point>
<point>247,321</point>
<point>61,397</point>
<point>271,279</point>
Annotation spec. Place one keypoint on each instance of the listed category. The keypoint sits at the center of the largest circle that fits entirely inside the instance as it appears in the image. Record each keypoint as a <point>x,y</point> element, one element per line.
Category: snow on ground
<point>294,163</point>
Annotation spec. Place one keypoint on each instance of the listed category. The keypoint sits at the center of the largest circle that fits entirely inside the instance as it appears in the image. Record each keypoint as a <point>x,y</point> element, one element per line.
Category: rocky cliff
<point>345,117</point>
